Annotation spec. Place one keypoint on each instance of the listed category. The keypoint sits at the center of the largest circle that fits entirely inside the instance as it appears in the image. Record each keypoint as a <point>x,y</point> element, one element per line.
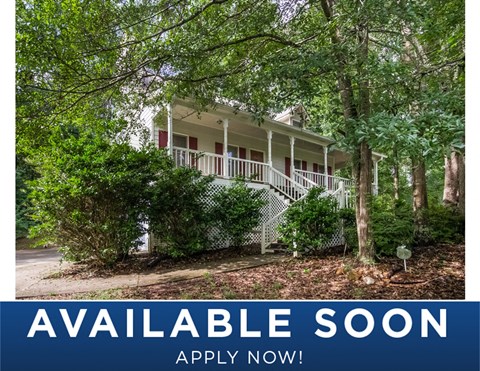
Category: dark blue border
<point>459,350</point>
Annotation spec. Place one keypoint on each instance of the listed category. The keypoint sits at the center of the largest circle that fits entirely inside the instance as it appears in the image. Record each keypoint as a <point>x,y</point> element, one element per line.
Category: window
<point>297,123</point>
<point>179,155</point>
<point>180,141</point>
<point>297,164</point>
<point>232,151</point>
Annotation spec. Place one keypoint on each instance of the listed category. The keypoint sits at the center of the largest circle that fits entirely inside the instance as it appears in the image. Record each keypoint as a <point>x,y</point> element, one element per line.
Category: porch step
<point>280,195</point>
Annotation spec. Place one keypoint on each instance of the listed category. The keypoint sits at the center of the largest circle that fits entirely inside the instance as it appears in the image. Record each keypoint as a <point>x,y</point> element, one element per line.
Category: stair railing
<point>285,185</point>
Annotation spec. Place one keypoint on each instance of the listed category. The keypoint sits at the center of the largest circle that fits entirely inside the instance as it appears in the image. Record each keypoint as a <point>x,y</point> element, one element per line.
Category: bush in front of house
<point>179,215</point>
<point>391,221</point>
<point>310,222</point>
<point>349,226</point>
<point>392,224</point>
<point>91,195</point>
<point>237,211</point>
<point>442,224</point>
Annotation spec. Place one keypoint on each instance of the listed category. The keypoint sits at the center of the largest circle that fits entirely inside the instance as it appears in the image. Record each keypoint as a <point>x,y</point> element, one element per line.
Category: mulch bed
<point>434,272</point>
<point>150,263</point>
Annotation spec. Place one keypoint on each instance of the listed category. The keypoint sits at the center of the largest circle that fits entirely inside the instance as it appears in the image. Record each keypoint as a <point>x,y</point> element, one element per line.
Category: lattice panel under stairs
<point>275,205</point>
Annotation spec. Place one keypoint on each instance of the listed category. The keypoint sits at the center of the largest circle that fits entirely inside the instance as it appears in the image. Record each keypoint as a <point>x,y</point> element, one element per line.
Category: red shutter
<point>330,180</point>
<point>162,138</point>
<point>315,167</point>
<point>288,163</point>
<point>193,143</point>
<point>219,161</point>
<point>242,153</point>
<point>218,148</point>
<point>304,165</point>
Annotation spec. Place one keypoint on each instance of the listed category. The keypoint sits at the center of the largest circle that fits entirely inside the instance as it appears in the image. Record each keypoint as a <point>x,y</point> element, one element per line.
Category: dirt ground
<point>434,272</point>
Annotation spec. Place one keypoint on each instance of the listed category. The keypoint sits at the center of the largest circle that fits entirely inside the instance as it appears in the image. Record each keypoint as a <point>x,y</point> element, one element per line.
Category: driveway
<point>32,265</point>
<point>37,256</point>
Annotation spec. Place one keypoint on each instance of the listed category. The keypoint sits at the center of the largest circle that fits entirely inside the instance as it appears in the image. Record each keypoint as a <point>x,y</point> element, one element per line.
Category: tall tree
<point>334,55</point>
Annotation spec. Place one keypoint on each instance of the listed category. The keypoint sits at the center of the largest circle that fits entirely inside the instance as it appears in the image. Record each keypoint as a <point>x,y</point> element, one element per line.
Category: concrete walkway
<point>33,266</point>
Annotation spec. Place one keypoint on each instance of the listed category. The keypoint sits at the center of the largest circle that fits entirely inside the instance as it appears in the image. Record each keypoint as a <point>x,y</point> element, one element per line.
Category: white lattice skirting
<point>275,204</point>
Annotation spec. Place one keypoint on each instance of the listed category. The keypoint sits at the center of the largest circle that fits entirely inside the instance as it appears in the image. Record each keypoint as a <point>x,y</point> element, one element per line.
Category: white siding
<point>146,121</point>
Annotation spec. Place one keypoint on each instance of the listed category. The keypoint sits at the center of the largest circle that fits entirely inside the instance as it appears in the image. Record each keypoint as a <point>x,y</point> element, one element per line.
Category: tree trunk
<point>396,175</point>
<point>451,181</point>
<point>363,177</point>
<point>362,156</point>
<point>419,182</point>
<point>461,184</point>
<point>419,185</point>
<point>396,181</point>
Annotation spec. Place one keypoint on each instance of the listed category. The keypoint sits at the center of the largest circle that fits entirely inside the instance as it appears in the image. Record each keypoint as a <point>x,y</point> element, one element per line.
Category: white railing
<point>294,189</point>
<point>253,170</point>
<point>331,182</point>
<point>207,163</point>
<point>212,164</point>
<point>270,232</point>
<point>286,186</point>
<point>305,182</point>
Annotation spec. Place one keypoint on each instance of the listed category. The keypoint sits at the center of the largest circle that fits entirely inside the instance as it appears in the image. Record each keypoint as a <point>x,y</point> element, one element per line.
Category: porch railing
<point>331,182</point>
<point>212,164</point>
<point>207,163</point>
<point>286,185</point>
<point>255,171</point>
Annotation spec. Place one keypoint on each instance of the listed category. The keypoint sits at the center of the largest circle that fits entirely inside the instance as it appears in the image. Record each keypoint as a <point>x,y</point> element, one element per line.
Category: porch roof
<point>227,112</point>
<point>223,111</point>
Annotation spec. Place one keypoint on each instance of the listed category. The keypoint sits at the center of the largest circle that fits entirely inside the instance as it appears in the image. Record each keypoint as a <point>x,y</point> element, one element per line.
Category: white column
<point>169,129</point>
<point>269,137</point>
<point>325,165</point>
<point>152,128</point>
<point>375,178</point>
<point>341,203</point>
<point>292,157</point>
<point>225,148</point>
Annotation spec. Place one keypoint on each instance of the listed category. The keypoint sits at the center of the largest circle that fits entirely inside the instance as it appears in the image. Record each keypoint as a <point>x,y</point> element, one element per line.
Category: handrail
<point>319,179</point>
<point>286,185</point>
<point>271,225</point>
<point>307,183</point>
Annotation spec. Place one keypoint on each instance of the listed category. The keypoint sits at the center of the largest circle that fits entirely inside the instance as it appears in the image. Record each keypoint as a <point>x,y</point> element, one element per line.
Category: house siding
<point>207,137</point>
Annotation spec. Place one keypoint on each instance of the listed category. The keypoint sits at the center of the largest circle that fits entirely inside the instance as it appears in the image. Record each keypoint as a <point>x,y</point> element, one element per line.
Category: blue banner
<point>305,335</point>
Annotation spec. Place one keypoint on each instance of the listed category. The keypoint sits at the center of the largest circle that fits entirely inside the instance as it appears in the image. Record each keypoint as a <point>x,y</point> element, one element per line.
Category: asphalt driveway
<point>32,265</point>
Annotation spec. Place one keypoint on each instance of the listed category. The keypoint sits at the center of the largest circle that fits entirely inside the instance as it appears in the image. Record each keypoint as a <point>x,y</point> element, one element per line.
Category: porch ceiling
<point>210,120</point>
<point>242,124</point>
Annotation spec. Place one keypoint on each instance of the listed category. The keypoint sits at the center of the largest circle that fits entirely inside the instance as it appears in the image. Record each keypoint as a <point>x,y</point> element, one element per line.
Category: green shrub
<point>310,222</point>
<point>349,223</point>
<point>179,216</point>
<point>392,224</point>
<point>237,211</point>
<point>441,225</point>
<point>92,194</point>
<point>23,174</point>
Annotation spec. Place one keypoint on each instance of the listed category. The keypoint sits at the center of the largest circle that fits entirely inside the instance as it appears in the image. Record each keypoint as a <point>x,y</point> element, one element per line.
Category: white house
<point>279,155</point>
